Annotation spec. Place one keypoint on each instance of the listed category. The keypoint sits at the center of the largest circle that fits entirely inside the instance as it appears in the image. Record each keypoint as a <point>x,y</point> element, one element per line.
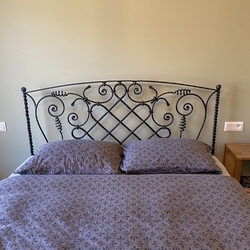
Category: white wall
<point>46,42</point>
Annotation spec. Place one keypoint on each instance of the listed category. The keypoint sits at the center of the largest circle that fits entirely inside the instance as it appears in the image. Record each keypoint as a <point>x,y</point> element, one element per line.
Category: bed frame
<point>121,110</point>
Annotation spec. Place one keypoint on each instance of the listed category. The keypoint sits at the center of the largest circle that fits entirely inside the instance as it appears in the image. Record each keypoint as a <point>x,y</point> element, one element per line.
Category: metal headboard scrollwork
<point>121,110</point>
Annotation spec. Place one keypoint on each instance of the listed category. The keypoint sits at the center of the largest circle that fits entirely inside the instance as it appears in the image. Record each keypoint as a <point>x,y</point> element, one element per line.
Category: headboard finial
<point>23,89</point>
<point>218,87</point>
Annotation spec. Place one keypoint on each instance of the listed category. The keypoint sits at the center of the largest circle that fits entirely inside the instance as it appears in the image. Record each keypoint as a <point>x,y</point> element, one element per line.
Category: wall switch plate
<point>3,126</point>
<point>234,126</point>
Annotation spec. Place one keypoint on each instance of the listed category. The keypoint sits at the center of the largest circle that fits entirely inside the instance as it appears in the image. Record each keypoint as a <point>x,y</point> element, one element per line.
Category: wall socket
<point>3,126</point>
<point>234,126</point>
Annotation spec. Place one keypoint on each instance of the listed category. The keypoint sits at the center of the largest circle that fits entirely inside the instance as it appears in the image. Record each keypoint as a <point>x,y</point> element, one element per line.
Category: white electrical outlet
<point>234,126</point>
<point>3,126</point>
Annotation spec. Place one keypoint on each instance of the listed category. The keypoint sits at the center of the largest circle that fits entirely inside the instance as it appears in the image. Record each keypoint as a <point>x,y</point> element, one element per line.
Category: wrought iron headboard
<point>121,110</point>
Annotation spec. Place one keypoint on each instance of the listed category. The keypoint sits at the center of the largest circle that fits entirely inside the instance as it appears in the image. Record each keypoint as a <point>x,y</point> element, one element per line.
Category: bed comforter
<point>123,212</point>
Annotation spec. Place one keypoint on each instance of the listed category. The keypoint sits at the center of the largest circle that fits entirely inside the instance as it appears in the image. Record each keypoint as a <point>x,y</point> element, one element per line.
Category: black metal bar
<point>26,109</point>
<point>216,114</point>
<point>113,81</point>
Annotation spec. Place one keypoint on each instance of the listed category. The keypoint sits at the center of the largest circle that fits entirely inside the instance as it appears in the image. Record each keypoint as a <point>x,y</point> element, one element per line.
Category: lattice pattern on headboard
<point>120,110</point>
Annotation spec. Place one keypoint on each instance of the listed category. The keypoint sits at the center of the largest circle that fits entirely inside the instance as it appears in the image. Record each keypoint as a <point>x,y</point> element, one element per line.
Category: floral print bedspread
<point>123,212</point>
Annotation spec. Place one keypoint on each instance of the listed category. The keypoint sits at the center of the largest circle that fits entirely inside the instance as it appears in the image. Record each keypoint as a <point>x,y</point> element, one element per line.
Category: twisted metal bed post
<point>216,111</point>
<point>26,108</point>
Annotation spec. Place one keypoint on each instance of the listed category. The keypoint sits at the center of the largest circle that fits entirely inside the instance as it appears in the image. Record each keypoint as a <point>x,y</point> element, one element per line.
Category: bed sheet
<point>222,167</point>
<point>154,211</point>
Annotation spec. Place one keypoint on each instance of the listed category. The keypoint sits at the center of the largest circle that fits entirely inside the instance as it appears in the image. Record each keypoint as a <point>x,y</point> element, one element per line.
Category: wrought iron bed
<point>124,187</point>
<point>100,110</point>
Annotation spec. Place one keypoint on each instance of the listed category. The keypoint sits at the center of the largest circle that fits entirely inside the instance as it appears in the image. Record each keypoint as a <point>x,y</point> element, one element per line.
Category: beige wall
<point>47,42</point>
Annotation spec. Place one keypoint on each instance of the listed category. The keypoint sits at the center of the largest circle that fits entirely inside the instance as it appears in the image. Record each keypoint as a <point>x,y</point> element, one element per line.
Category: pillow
<point>75,157</point>
<point>166,155</point>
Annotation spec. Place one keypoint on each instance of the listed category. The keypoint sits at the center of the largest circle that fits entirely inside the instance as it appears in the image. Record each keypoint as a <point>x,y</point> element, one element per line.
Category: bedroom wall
<point>49,42</point>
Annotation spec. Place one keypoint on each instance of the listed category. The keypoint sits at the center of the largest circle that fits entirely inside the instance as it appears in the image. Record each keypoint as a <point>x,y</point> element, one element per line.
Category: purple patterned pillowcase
<point>75,157</point>
<point>166,155</point>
